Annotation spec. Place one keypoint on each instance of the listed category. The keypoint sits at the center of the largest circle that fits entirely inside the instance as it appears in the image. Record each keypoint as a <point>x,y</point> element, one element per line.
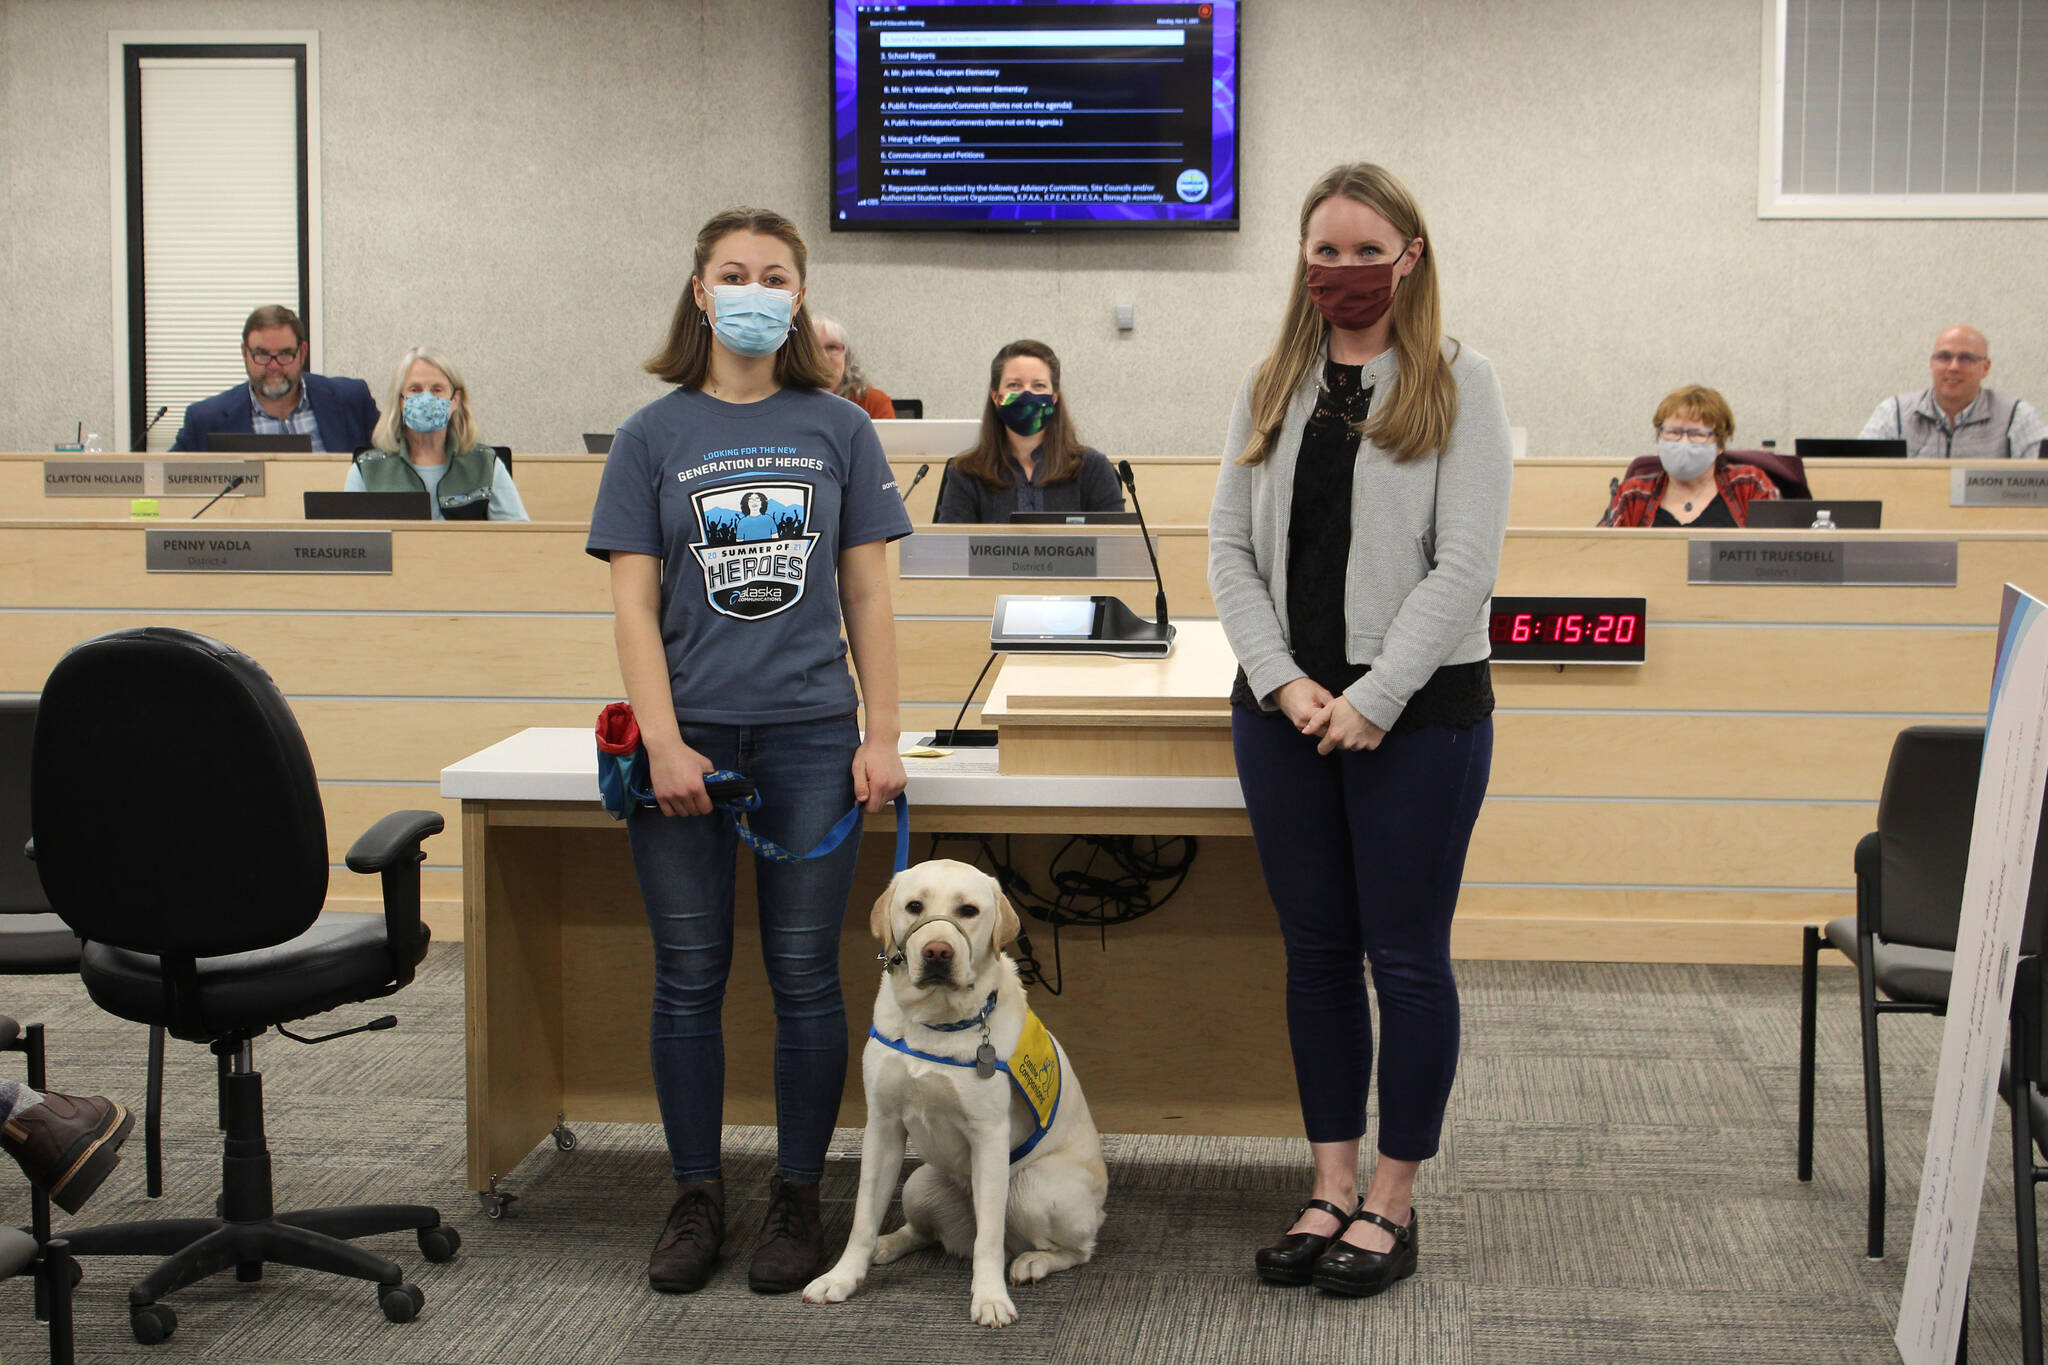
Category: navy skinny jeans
<point>1363,852</point>
<point>685,865</point>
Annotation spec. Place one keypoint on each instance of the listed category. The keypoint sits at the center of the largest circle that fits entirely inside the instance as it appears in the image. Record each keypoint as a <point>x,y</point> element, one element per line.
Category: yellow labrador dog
<point>957,1061</point>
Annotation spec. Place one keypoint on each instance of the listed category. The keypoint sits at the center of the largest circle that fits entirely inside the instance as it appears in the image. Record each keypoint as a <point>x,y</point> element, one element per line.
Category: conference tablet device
<point>330,505</point>
<point>1831,448</point>
<point>597,442</point>
<point>255,443</point>
<point>1073,518</point>
<point>937,436</point>
<point>1797,514</point>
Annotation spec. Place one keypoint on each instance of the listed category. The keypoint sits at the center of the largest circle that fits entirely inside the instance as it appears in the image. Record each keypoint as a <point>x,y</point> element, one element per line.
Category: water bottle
<point>93,444</point>
<point>1823,522</point>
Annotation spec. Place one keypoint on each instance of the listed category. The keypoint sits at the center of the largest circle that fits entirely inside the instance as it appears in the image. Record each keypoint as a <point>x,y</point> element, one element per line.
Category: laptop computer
<point>1073,518</point>
<point>253,443</point>
<point>934,436</point>
<point>1853,448</point>
<point>597,442</point>
<point>330,505</point>
<point>1797,514</point>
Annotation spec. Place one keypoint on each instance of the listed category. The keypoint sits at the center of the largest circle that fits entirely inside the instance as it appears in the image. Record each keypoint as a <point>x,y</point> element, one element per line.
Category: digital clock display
<point>1568,630</point>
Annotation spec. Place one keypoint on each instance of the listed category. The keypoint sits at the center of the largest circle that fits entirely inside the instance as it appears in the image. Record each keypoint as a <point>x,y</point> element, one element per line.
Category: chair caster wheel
<point>439,1243</point>
<point>401,1302</point>
<point>565,1137</point>
<point>152,1322</point>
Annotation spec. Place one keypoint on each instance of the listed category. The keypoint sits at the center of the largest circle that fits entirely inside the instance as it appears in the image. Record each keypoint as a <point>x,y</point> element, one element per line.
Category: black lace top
<point>1318,557</point>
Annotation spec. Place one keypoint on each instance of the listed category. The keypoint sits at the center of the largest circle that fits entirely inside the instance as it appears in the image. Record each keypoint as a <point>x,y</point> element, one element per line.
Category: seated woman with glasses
<point>427,442</point>
<point>1697,485</point>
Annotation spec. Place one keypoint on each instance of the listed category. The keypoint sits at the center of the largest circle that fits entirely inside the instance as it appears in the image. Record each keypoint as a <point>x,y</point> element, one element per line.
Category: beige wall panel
<point>1767,668</point>
<point>1915,494</point>
<point>484,656</point>
<point>351,809</point>
<point>1666,843</point>
<point>384,741</point>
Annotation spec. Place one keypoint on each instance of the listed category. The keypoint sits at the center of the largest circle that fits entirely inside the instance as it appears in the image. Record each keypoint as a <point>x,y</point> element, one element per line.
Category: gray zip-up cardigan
<point>1425,543</point>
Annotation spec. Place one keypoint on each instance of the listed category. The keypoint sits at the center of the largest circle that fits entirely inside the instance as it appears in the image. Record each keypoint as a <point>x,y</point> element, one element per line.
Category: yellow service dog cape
<point>1034,1068</point>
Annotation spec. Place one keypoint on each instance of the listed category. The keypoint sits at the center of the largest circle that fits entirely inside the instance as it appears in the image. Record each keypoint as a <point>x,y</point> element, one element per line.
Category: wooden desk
<point>560,968</point>
<point>1915,493</point>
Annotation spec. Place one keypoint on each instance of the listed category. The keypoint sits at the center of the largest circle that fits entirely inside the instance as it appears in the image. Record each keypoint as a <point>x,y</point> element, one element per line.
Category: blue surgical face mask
<point>751,319</point>
<point>426,412</point>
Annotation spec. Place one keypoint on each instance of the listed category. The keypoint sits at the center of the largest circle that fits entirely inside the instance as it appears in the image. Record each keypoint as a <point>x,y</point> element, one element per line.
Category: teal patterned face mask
<point>1026,413</point>
<point>426,412</point>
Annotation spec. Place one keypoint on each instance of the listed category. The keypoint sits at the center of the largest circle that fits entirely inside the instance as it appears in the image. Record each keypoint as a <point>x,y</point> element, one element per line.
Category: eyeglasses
<point>1693,434</point>
<point>262,359</point>
<point>1958,357</point>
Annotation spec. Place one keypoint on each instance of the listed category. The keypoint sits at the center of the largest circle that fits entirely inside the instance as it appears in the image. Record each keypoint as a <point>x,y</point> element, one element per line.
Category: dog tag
<point>985,1061</point>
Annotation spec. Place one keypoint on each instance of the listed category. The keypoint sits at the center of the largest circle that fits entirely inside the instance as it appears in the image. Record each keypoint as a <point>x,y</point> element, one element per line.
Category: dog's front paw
<point>1033,1266</point>
<point>831,1287</point>
<point>993,1309</point>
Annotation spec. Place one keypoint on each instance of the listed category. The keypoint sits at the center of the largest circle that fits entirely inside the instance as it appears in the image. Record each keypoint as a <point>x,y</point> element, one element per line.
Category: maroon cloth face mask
<point>1352,297</point>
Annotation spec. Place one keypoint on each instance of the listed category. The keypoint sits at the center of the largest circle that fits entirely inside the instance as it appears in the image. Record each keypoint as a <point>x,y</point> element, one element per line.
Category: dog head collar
<point>894,956</point>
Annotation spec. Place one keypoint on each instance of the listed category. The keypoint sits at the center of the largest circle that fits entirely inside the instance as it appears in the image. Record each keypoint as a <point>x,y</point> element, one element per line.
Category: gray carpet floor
<point>1616,1185</point>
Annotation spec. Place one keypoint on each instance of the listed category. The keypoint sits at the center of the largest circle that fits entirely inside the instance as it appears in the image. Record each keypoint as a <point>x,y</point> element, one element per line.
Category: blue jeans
<point>1363,852</point>
<point>685,866</point>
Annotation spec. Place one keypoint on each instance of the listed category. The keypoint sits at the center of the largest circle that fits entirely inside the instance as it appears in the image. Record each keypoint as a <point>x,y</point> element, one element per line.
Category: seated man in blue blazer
<point>280,397</point>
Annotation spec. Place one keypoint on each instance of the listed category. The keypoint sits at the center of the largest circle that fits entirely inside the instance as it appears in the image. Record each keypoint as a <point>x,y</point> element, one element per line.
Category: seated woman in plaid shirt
<point>1698,484</point>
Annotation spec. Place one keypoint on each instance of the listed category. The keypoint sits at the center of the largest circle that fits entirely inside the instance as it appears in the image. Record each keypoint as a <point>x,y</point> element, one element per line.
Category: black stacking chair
<point>1909,893</point>
<point>911,409</point>
<point>178,830</point>
<point>2026,1074</point>
<point>55,1272</point>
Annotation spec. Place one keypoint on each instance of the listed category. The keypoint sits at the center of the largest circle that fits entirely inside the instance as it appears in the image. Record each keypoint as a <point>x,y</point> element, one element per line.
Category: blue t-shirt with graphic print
<point>748,506</point>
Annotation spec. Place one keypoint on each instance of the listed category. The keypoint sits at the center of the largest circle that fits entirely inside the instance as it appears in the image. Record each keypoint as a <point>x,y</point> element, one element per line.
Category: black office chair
<point>909,408</point>
<point>178,830</point>
<point>50,1262</point>
<point>2025,1075</point>
<point>504,457</point>
<point>1909,893</point>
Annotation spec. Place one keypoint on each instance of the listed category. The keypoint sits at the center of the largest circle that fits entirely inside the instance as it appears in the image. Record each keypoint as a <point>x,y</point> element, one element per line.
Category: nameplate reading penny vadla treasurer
<point>177,549</point>
<point>943,554</point>
<point>2020,486</point>
<point>1823,559</point>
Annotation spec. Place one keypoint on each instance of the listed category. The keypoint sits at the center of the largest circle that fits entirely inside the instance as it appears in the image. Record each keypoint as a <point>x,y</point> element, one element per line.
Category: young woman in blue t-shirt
<point>744,516</point>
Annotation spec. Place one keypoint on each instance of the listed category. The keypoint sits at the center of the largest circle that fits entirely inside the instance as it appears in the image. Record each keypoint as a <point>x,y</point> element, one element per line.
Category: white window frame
<point>1773,203</point>
<point>118,41</point>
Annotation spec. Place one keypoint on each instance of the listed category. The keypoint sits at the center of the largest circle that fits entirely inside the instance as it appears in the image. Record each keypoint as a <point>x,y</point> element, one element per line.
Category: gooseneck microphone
<point>142,442</point>
<point>232,485</point>
<point>915,480</point>
<point>1123,471</point>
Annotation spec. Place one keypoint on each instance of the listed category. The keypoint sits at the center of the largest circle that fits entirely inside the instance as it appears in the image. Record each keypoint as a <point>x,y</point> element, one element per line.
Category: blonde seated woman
<point>843,370</point>
<point>426,442</point>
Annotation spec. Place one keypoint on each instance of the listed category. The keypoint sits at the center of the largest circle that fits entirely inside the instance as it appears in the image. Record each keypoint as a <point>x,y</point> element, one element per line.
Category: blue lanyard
<point>735,807</point>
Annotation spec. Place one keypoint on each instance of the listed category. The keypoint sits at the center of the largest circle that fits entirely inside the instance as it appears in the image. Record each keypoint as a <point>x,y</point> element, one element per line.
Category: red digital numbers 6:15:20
<point>1566,630</point>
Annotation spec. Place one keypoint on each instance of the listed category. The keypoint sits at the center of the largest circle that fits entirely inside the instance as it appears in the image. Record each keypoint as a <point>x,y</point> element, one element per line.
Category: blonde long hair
<point>685,358</point>
<point>390,432</point>
<point>1416,421</point>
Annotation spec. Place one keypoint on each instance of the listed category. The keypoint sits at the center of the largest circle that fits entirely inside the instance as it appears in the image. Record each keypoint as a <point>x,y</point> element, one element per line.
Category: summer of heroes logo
<point>755,548</point>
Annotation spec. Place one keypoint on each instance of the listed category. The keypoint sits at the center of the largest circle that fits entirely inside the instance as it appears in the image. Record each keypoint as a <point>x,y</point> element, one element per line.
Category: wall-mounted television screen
<point>1034,115</point>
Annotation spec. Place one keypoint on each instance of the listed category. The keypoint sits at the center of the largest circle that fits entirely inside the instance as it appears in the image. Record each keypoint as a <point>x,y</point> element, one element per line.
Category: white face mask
<point>1686,460</point>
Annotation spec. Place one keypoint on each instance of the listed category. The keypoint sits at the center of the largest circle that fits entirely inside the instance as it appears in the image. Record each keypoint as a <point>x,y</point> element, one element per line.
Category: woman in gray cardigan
<point>1353,545</point>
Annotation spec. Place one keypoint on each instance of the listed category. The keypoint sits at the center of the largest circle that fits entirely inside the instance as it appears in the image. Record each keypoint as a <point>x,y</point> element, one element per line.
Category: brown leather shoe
<point>792,1250</point>
<point>687,1250</point>
<point>67,1144</point>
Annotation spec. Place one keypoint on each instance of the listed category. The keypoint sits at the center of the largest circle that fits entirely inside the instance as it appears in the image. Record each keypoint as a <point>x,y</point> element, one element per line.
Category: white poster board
<point>1995,886</point>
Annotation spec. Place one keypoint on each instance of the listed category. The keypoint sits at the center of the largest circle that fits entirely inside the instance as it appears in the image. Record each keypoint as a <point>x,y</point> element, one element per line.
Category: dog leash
<point>739,805</point>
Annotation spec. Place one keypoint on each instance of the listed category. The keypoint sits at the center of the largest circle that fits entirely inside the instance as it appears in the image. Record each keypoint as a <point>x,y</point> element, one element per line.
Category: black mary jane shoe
<point>1292,1259</point>
<point>1357,1273</point>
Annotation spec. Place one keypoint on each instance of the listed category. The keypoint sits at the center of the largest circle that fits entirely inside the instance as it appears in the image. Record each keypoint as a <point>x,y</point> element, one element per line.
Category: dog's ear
<point>878,918</point>
<point>1008,926</point>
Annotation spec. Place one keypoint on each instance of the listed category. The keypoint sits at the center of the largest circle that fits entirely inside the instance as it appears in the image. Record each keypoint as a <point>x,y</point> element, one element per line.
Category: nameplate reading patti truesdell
<point>225,550</point>
<point>1823,560</point>
<point>942,554</point>
<point>2017,487</point>
<point>151,478</point>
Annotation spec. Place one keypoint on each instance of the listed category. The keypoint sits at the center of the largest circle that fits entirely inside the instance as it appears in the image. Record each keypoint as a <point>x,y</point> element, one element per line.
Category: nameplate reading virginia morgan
<point>226,550</point>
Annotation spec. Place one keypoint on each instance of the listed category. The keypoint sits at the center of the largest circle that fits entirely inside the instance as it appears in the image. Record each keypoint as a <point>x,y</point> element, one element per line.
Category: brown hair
<point>273,315</point>
<point>1702,404</point>
<point>1059,447</point>
<point>1416,420</point>
<point>685,358</point>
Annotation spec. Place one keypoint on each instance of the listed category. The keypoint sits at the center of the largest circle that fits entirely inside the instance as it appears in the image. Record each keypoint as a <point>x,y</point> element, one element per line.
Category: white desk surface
<point>556,764</point>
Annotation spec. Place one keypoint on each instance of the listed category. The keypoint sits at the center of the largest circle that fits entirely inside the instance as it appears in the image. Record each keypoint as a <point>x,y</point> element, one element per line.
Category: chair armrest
<point>385,844</point>
<point>1868,863</point>
<point>28,850</point>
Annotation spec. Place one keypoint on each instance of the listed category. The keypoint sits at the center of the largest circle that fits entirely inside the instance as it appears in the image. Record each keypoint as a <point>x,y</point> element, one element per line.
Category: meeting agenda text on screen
<point>1091,112</point>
